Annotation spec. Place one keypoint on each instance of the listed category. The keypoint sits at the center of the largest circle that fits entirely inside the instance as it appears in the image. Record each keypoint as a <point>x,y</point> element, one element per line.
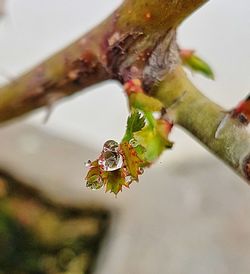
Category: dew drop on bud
<point>129,179</point>
<point>95,182</point>
<point>141,170</point>
<point>110,161</point>
<point>134,143</point>
<point>88,163</point>
<point>111,145</point>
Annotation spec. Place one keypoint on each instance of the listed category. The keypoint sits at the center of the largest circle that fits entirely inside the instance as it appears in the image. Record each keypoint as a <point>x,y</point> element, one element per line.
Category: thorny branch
<point>137,41</point>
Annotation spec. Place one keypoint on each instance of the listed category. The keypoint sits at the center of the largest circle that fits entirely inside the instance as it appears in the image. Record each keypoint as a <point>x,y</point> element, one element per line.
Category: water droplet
<point>95,182</point>
<point>110,161</point>
<point>134,143</point>
<point>88,163</point>
<point>111,145</point>
<point>129,179</point>
<point>141,170</point>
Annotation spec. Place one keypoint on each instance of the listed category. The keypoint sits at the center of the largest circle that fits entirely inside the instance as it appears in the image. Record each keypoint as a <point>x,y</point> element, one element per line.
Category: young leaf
<point>132,161</point>
<point>115,181</point>
<point>135,122</point>
<point>94,178</point>
<point>196,64</point>
<point>154,140</point>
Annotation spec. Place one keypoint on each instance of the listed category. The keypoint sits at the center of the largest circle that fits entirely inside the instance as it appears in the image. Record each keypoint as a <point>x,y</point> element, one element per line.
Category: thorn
<point>222,125</point>
<point>49,110</point>
<point>51,100</point>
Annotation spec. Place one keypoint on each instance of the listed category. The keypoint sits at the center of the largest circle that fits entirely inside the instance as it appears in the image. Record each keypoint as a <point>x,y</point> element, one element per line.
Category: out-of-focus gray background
<point>190,213</point>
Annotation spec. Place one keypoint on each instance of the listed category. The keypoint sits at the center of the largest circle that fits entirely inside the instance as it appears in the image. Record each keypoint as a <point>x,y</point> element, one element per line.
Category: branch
<point>136,41</point>
<point>201,117</point>
<point>65,73</point>
<point>97,56</point>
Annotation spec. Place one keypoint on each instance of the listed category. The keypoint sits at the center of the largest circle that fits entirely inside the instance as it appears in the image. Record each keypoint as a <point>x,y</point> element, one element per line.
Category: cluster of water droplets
<point>88,164</point>
<point>110,159</point>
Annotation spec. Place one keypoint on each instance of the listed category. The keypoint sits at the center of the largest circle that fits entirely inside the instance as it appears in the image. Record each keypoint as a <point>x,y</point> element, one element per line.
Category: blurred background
<point>190,213</point>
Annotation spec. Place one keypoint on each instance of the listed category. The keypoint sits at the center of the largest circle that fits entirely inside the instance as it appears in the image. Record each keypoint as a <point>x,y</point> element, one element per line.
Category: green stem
<point>150,119</point>
<point>201,117</point>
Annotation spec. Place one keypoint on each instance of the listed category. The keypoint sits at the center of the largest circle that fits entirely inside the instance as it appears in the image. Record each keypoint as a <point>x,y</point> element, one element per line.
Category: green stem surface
<point>201,117</point>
